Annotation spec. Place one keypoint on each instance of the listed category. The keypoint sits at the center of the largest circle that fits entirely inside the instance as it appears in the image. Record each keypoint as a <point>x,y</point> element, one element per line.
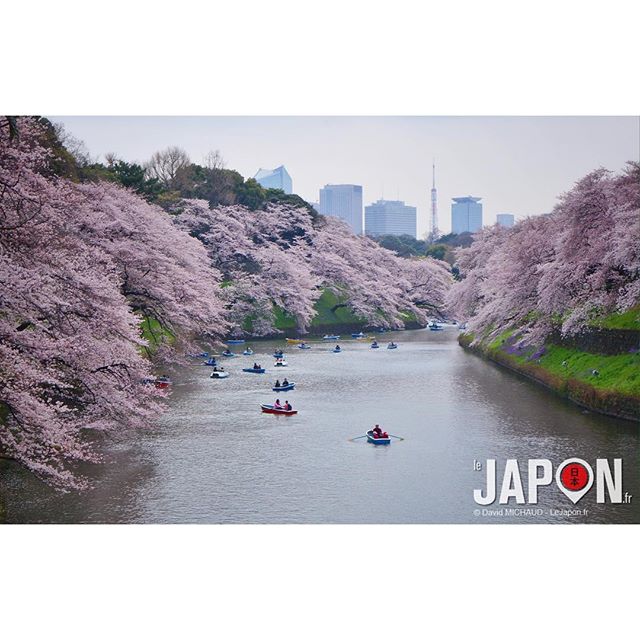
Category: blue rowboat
<point>435,327</point>
<point>278,355</point>
<point>328,337</point>
<point>357,335</point>
<point>211,362</point>
<point>252,370</point>
<point>304,346</point>
<point>229,355</point>
<point>234,341</point>
<point>373,440</point>
<point>285,387</point>
<point>336,350</point>
<point>247,352</point>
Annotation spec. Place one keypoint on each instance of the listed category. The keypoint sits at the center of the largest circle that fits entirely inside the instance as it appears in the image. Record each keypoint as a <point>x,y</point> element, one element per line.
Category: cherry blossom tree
<point>557,272</point>
<point>78,264</point>
<point>281,256</point>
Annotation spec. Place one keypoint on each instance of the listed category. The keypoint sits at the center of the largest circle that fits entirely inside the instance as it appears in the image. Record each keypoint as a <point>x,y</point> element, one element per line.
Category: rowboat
<point>252,370</point>
<point>278,355</point>
<point>336,350</point>
<point>280,363</point>
<point>293,340</point>
<point>229,354</point>
<point>247,352</point>
<point>219,374</point>
<point>391,345</point>
<point>211,362</point>
<point>234,341</point>
<point>204,354</point>
<point>304,346</point>
<point>162,382</point>
<point>328,337</point>
<point>375,345</point>
<point>357,335</point>
<point>268,408</point>
<point>371,438</point>
<point>285,387</point>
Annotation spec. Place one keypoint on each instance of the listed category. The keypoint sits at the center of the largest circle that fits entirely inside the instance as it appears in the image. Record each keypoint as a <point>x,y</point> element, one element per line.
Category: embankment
<point>599,370</point>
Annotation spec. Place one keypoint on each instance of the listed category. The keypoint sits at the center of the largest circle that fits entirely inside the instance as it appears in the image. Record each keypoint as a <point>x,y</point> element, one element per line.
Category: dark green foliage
<point>217,186</point>
<point>405,245</point>
<point>437,251</point>
<point>250,194</point>
<point>457,239</point>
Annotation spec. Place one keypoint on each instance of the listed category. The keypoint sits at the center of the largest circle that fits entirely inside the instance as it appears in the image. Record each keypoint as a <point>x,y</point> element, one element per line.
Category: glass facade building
<point>466,215</point>
<point>277,178</point>
<point>390,217</point>
<point>343,201</point>
<point>505,219</point>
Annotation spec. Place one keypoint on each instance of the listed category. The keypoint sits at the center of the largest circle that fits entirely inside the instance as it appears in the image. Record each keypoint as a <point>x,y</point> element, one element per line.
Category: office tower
<point>466,215</point>
<point>505,219</point>
<point>390,217</point>
<point>277,178</point>
<point>343,201</point>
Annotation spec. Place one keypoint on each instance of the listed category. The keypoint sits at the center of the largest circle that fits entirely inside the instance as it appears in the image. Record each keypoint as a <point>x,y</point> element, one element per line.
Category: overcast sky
<point>516,165</point>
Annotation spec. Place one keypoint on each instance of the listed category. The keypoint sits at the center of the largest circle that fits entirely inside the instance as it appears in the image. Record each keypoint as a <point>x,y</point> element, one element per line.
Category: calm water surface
<point>214,458</point>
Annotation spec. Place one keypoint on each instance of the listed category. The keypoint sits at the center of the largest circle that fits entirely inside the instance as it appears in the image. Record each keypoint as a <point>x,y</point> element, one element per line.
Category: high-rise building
<point>466,214</point>
<point>390,217</point>
<point>505,219</point>
<point>277,178</point>
<point>343,201</point>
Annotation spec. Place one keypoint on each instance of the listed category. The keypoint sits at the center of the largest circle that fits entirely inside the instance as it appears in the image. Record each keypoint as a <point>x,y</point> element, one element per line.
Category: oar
<point>392,436</point>
<point>357,438</point>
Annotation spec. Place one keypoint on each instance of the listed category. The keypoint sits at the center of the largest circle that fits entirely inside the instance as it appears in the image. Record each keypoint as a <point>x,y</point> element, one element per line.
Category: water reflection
<point>215,458</point>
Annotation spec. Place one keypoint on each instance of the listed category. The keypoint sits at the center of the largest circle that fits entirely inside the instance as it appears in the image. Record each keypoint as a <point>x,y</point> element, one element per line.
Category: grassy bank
<point>628,320</point>
<point>330,312</point>
<point>609,384</point>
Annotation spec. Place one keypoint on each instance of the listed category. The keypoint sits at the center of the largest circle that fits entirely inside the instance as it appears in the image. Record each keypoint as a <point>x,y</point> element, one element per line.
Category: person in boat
<point>285,383</point>
<point>374,343</point>
<point>277,405</point>
<point>379,433</point>
<point>256,365</point>
<point>277,384</point>
<point>337,347</point>
<point>287,406</point>
<point>227,352</point>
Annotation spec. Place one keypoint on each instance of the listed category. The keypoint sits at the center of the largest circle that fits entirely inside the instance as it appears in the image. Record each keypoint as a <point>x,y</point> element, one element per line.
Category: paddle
<point>357,437</point>
<point>392,436</point>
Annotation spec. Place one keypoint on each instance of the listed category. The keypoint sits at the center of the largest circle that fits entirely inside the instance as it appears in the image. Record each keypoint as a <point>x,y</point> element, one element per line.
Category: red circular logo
<point>574,477</point>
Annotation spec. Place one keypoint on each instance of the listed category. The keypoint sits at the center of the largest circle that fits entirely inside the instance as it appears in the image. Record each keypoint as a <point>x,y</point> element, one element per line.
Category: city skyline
<point>517,164</point>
